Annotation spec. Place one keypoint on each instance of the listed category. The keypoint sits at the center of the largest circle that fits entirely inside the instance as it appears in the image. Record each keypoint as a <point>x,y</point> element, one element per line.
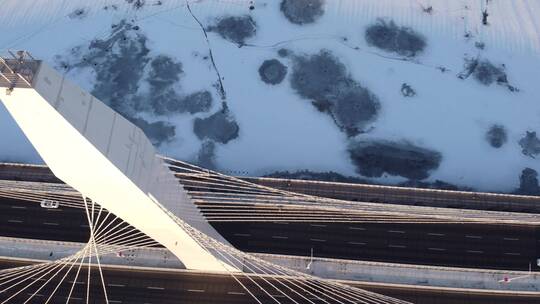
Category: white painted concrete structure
<point>105,157</point>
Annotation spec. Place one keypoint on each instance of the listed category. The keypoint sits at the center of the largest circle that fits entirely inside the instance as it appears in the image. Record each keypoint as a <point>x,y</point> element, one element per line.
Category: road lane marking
<point>18,207</point>
<point>155,288</point>
<point>473,236</point>
<point>242,234</point>
<point>357,228</point>
<point>236,293</point>
<point>397,246</point>
<point>116,285</point>
<point>475,251</point>
<point>510,239</point>
<point>436,234</point>
<point>196,290</point>
<point>15,221</point>
<point>396,231</point>
<point>356,243</point>
<point>51,224</point>
<point>280,237</point>
<point>436,249</point>
<point>317,240</point>
<point>512,253</point>
<point>317,225</point>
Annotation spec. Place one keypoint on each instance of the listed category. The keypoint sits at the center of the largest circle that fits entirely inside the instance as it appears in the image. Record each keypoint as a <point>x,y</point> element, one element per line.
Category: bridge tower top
<point>17,70</point>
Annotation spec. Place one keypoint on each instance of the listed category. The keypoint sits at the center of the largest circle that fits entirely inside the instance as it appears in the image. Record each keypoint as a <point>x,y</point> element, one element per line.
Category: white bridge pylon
<point>105,157</point>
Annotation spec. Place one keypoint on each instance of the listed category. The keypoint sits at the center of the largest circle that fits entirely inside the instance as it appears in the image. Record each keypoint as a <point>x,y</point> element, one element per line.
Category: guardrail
<point>17,71</point>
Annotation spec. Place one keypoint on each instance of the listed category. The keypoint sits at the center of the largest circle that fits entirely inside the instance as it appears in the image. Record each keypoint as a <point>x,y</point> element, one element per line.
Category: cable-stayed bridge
<point>110,161</point>
<point>134,199</point>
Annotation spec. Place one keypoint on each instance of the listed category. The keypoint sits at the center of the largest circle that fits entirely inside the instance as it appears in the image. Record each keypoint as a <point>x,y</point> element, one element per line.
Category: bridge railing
<point>17,70</point>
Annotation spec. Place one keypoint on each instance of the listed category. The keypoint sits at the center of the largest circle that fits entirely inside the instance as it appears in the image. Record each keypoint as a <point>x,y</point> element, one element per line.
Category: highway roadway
<point>145,286</point>
<point>458,245</point>
<point>406,196</point>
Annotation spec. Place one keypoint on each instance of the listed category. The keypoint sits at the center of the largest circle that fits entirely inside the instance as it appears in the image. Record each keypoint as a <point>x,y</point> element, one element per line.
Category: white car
<point>49,204</point>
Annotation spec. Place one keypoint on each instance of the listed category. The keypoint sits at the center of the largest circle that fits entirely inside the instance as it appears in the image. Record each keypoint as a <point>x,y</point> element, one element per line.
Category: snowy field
<point>388,91</point>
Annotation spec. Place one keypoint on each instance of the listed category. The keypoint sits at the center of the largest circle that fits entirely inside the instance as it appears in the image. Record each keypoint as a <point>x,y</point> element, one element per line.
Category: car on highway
<point>49,204</point>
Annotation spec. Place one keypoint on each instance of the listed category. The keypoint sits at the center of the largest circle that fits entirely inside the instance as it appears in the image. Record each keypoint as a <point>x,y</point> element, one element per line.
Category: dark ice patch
<point>119,62</point>
<point>206,157</point>
<point>220,127</point>
<point>302,11</point>
<point>272,71</point>
<point>158,132</point>
<point>486,73</point>
<point>197,102</point>
<point>137,4</point>
<point>236,29</point>
<point>374,158</point>
<point>163,98</point>
<point>496,136</point>
<point>79,13</point>
<point>530,144</point>
<point>284,53</point>
<point>528,182</point>
<point>386,35</point>
<point>164,72</point>
<point>407,90</point>
<point>118,72</point>
<point>324,80</point>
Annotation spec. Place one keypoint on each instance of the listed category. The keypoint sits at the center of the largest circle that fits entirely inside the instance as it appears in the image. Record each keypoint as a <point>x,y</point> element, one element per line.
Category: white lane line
<point>236,293</point>
<point>281,223</point>
<point>317,240</point>
<point>242,234</point>
<point>436,234</point>
<point>15,221</point>
<point>436,249</point>
<point>512,253</point>
<point>356,243</point>
<point>85,226</point>
<point>475,251</point>
<point>116,285</point>
<point>396,231</point>
<point>196,290</point>
<point>317,225</point>
<point>280,237</point>
<point>51,224</point>
<point>155,288</point>
<point>18,207</point>
<point>397,246</point>
<point>114,301</point>
<point>473,236</point>
<point>357,228</point>
<point>511,239</point>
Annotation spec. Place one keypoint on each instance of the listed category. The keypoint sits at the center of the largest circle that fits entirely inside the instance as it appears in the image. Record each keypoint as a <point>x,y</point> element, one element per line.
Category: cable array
<point>222,198</point>
<point>72,277</point>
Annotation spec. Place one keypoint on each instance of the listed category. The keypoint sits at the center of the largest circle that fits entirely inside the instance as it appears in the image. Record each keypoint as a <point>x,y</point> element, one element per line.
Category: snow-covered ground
<point>406,89</point>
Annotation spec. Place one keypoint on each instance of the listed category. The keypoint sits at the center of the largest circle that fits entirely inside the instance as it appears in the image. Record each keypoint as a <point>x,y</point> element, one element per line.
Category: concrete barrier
<point>417,275</point>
